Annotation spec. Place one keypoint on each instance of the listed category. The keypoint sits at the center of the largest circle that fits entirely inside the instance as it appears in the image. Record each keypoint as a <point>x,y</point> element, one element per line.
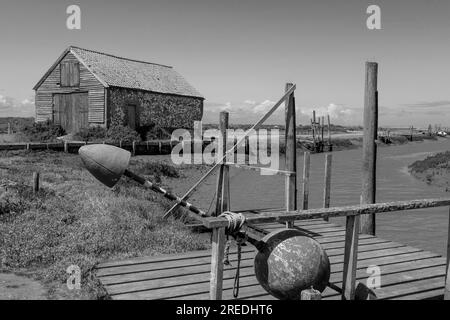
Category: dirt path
<point>15,287</point>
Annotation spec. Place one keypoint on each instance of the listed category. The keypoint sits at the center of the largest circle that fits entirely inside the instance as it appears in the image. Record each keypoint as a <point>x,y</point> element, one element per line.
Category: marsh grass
<point>75,220</point>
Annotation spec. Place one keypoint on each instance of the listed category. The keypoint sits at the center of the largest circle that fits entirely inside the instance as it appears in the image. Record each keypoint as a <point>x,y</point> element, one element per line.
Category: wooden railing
<point>352,214</point>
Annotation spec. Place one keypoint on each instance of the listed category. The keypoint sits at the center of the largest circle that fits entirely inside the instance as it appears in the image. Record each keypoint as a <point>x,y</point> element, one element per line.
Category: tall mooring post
<point>223,181</point>
<point>291,154</point>
<point>222,204</point>
<point>367,223</point>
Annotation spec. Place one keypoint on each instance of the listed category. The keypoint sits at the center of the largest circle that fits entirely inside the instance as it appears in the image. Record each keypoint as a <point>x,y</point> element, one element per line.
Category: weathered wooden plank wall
<point>88,83</point>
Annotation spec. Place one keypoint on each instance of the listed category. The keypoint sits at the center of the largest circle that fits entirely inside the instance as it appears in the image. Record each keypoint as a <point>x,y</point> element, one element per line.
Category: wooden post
<point>305,183</point>
<point>369,147</point>
<point>291,155</point>
<point>28,146</point>
<point>66,147</point>
<point>35,182</point>
<point>223,181</point>
<point>9,128</point>
<point>247,149</point>
<point>330,148</point>
<point>217,255</point>
<point>327,182</point>
<point>350,257</point>
<point>134,147</point>
<point>447,274</point>
<point>322,126</point>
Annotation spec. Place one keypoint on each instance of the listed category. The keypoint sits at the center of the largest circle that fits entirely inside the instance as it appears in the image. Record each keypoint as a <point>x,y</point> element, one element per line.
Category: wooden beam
<point>350,258</point>
<point>320,213</point>
<point>329,134</point>
<point>217,255</point>
<point>327,182</point>
<point>291,154</point>
<point>368,192</point>
<point>260,169</point>
<point>447,273</point>
<point>222,187</point>
<point>305,182</point>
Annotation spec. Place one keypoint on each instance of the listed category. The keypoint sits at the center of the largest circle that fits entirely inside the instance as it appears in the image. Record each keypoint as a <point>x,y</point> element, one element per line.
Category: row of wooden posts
<point>317,131</point>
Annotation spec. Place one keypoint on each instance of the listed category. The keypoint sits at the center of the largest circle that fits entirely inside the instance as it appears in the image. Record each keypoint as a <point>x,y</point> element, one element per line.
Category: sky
<point>240,54</point>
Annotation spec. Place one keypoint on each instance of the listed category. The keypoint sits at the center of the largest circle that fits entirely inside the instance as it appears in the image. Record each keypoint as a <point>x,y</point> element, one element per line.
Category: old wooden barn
<point>85,88</point>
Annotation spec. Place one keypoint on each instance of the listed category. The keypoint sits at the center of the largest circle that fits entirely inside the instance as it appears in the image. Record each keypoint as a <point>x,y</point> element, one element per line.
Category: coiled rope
<point>235,223</point>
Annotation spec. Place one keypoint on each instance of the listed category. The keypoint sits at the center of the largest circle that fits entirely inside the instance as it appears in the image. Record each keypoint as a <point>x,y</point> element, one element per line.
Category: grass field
<point>74,220</point>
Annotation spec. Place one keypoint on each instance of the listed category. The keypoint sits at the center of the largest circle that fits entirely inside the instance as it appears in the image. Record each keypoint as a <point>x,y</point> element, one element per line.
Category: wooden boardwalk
<point>406,272</point>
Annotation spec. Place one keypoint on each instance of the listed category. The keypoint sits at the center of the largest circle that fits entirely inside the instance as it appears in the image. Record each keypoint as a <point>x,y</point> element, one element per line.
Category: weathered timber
<point>327,182</point>
<point>447,268</point>
<point>260,169</point>
<point>35,182</point>
<point>291,153</point>
<point>217,255</point>
<point>305,181</point>
<point>368,191</point>
<point>350,257</point>
<point>321,213</point>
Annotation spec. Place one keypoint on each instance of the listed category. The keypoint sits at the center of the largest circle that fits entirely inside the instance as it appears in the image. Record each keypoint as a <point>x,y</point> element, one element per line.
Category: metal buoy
<point>288,262</point>
<point>106,163</point>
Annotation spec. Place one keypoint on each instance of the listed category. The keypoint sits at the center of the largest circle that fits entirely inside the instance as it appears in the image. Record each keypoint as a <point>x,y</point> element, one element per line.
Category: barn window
<point>70,74</point>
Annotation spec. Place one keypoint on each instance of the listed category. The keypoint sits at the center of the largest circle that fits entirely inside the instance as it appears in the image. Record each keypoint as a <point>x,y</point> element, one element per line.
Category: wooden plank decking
<point>406,272</point>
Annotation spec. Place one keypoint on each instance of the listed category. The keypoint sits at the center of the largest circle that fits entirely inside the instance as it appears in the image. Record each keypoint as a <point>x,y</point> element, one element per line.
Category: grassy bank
<point>73,220</point>
<point>434,170</point>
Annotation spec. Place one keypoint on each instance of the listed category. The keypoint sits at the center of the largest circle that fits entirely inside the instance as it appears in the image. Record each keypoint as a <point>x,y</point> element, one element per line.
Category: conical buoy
<point>106,163</point>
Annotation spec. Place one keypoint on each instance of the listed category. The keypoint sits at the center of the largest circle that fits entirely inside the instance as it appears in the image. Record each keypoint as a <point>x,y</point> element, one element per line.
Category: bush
<point>43,132</point>
<point>96,133</point>
<point>122,133</point>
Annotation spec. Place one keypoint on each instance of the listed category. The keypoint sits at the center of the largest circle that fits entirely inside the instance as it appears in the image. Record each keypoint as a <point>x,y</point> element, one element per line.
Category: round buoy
<point>288,262</point>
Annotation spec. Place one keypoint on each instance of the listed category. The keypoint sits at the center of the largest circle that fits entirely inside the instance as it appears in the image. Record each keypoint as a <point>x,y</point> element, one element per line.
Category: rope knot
<point>235,222</point>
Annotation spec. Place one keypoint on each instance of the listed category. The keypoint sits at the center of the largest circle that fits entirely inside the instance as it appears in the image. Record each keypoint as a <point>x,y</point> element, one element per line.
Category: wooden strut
<point>232,149</point>
<point>320,213</point>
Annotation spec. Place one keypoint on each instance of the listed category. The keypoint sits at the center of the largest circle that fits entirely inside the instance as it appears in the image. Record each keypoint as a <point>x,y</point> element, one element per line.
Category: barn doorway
<point>70,110</point>
<point>132,116</point>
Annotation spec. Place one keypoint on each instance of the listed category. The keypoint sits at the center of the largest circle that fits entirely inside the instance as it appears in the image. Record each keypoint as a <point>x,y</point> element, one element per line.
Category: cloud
<point>429,104</point>
<point>250,111</point>
<point>264,107</point>
<point>10,107</point>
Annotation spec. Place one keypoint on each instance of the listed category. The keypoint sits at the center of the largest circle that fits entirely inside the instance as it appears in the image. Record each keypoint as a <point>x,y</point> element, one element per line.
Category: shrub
<point>43,132</point>
<point>122,133</point>
<point>96,133</point>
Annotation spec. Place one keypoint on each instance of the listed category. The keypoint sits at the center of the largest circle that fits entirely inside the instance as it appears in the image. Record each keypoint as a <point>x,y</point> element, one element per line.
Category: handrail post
<point>369,146</point>
<point>217,255</point>
<point>222,204</point>
<point>291,154</point>
<point>223,181</point>
<point>350,257</point>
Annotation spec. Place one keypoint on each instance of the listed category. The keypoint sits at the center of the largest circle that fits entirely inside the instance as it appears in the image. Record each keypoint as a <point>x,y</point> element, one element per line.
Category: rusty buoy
<point>288,262</point>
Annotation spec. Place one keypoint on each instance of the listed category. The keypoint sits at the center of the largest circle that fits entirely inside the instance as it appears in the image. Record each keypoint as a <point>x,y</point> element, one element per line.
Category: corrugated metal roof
<point>133,74</point>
